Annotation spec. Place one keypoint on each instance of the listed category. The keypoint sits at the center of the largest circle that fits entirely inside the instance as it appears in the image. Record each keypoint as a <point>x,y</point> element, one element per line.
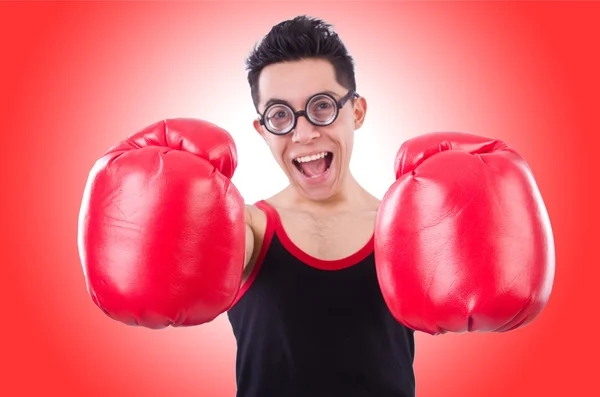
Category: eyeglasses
<point>320,110</point>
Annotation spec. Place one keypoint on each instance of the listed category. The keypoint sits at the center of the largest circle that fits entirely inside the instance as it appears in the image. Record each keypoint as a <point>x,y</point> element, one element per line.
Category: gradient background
<point>76,78</point>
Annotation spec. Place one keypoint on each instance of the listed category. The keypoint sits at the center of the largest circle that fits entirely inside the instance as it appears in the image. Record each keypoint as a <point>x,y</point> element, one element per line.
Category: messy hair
<point>300,38</point>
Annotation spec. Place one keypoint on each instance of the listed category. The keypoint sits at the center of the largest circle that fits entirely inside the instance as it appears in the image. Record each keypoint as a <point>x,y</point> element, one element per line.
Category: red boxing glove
<point>162,228</point>
<point>463,241</point>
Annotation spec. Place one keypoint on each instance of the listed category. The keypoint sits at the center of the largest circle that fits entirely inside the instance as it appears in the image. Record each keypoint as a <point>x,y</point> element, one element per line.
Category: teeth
<point>313,157</point>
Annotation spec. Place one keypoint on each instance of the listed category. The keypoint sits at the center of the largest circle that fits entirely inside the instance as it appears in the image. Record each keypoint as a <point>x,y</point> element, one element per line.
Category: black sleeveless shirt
<point>307,327</point>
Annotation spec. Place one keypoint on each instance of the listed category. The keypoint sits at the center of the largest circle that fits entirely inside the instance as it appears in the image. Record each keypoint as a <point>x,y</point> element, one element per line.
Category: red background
<point>76,77</point>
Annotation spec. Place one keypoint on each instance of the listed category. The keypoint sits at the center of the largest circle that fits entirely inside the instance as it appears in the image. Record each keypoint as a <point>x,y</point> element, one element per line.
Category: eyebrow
<point>277,100</point>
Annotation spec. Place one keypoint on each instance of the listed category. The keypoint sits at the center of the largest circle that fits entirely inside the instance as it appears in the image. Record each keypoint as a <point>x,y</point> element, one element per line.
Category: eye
<point>322,106</point>
<point>278,113</point>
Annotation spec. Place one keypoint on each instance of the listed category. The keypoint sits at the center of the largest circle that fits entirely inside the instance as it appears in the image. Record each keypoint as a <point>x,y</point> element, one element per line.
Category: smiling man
<point>310,319</point>
<point>323,283</point>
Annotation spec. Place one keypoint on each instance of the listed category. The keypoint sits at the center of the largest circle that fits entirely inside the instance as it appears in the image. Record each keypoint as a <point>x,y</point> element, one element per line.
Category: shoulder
<point>256,221</point>
<point>256,214</point>
<point>255,218</point>
<point>373,203</point>
<point>252,211</point>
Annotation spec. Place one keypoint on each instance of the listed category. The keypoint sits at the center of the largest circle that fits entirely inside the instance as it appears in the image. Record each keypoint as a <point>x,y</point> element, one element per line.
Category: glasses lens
<point>279,119</point>
<point>322,110</point>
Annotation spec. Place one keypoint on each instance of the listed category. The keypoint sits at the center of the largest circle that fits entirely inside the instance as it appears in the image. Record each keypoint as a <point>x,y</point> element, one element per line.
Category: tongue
<point>314,168</point>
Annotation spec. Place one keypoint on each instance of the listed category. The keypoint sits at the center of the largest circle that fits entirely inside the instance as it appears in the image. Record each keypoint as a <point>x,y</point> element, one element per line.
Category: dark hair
<point>300,38</point>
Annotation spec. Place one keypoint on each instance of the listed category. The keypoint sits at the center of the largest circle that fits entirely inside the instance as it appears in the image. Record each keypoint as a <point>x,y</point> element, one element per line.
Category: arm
<point>249,245</point>
<point>249,238</point>
<point>255,230</point>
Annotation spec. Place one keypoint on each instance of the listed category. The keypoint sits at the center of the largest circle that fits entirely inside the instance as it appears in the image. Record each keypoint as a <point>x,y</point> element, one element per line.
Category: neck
<point>351,196</point>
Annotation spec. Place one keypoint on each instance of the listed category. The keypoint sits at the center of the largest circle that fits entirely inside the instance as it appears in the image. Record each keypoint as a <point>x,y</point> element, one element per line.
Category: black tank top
<point>307,327</point>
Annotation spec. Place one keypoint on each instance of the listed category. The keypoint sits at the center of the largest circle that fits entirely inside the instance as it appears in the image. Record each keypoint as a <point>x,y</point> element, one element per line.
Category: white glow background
<point>78,77</point>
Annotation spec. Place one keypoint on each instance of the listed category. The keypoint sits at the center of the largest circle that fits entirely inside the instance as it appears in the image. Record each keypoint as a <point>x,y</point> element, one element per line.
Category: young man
<point>324,285</point>
<point>310,319</point>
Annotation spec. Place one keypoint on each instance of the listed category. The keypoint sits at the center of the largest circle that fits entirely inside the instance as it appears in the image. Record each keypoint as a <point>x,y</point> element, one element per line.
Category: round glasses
<point>320,110</point>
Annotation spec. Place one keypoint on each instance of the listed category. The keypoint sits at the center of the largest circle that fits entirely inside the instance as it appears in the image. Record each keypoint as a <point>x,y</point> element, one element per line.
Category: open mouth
<point>315,165</point>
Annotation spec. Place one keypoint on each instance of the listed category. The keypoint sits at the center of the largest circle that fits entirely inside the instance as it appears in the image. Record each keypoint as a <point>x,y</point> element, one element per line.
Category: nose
<point>304,132</point>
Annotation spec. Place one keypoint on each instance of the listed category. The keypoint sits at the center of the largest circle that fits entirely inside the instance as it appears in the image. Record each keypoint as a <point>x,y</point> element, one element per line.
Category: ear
<point>258,128</point>
<point>360,111</point>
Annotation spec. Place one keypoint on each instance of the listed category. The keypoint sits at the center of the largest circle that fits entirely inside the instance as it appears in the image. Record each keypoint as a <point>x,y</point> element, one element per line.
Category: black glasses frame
<point>339,105</point>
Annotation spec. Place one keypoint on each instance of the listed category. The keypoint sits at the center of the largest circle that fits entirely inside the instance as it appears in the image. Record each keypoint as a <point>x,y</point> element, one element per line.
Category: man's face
<point>315,159</point>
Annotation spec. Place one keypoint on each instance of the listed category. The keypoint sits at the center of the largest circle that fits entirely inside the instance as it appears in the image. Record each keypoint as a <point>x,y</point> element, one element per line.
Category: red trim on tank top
<point>308,259</point>
<point>273,226</point>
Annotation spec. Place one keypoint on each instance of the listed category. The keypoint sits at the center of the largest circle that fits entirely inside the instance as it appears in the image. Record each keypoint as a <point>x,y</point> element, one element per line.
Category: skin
<point>337,206</point>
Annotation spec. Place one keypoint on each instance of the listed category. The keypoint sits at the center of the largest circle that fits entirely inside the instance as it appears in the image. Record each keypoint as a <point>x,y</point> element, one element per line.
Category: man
<point>310,319</point>
<point>324,285</point>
